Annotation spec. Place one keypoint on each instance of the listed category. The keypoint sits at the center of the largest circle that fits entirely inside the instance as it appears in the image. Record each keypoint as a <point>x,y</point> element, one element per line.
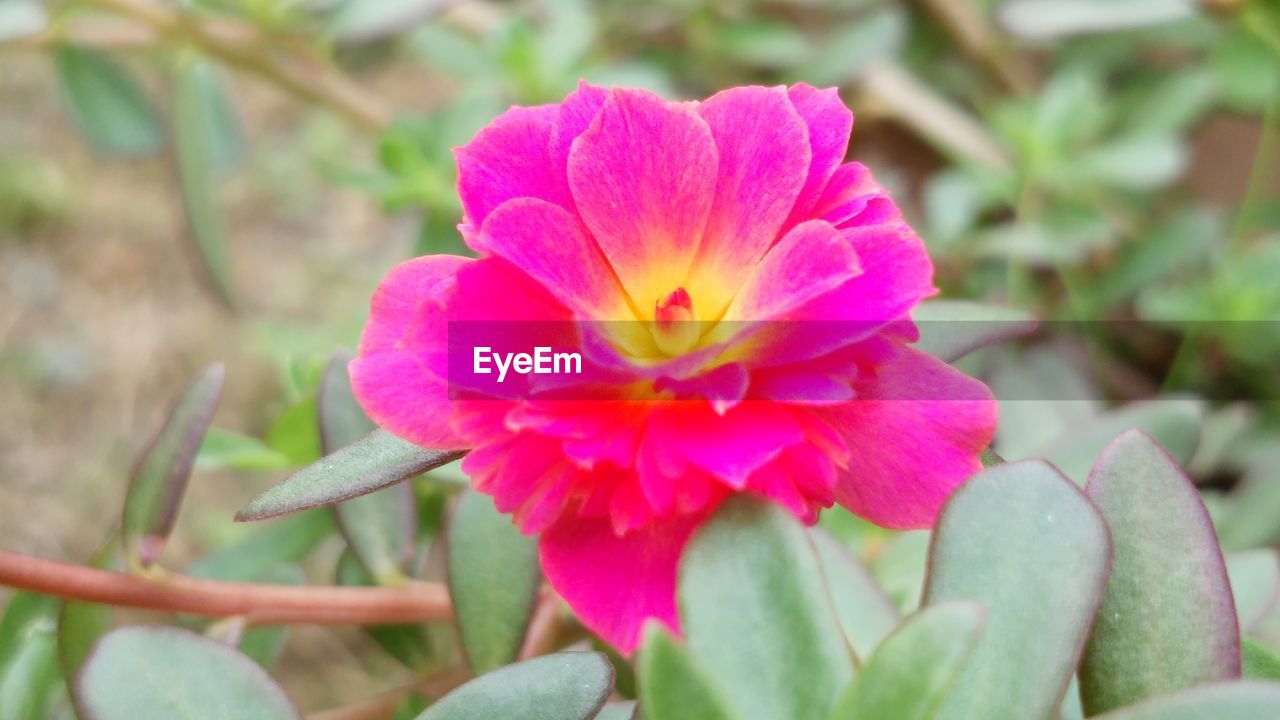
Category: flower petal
<point>643,176</point>
<point>510,158</point>
<point>764,154</point>
<point>399,374</point>
<point>914,435</point>
<point>811,260</point>
<point>829,123</point>
<point>615,584</point>
<point>575,115</point>
<point>552,247</point>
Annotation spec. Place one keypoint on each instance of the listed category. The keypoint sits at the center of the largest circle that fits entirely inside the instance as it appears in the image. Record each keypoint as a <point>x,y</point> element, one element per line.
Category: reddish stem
<point>260,604</point>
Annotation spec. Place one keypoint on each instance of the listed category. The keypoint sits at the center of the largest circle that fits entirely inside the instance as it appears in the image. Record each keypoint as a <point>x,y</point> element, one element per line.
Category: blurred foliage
<point>1098,162</point>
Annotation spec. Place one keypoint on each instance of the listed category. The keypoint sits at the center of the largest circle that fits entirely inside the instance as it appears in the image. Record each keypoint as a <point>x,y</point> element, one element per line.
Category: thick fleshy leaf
<point>377,461</point>
<point>751,588</point>
<point>1258,661</point>
<point>900,568</point>
<point>618,711</point>
<point>1040,599</point>
<point>951,329</point>
<point>138,673</point>
<point>1167,621</point>
<point>1174,422</point>
<point>909,675</point>
<point>80,624</point>
<point>226,450</point>
<point>257,553</point>
<point>1255,585</point>
<point>493,580</point>
<point>28,656</point>
<point>865,611</point>
<point>161,475</point>
<point>1238,701</point>
<point>673,685</point>
<point>206,139</point>
<point>107,104</point>
<point>563,686</point>
<point>1251,517</point>
<point>380,527</point>
<point>409,643</point>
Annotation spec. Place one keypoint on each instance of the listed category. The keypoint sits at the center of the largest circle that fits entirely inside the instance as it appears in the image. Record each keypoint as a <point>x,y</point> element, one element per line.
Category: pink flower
<point>741,298</point>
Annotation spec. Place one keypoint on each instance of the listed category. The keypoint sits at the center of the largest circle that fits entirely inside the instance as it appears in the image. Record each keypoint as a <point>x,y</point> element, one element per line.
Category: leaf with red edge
<point>161,475</point>
<point>1024,541</point>
<point>380,527</point>
<point>1167,620</point>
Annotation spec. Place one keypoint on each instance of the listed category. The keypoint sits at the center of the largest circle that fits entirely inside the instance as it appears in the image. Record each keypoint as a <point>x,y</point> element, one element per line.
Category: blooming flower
<point>742,297</point>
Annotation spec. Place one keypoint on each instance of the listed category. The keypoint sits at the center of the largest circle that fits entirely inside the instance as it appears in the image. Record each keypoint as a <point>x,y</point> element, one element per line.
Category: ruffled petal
<point>400,372</point>
<point>829,124</point>
<point>616,583</point>
<point>643,176</point>
<point>510,158</point>
<point>764,154</point>
<point>810,261</point>
<point>551,246</point>
<point>914,434</point>
<point>573,118</point>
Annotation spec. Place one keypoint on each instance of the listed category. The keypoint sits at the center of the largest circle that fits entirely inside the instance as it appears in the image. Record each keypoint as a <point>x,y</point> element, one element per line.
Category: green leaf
<point>227,450</point>
<point>80,624</point>
<point>380,527</point>
<point>160,478</point>
<point>493,580</point>
<point>563,686</point>
<point>199,131</point>
<point>257,553</point>
<point>1255,585</point>
<point>1166,622</point>
<point>407,643</point>
<point>1174,422</point>
<point>1023,540</point>
<point>379,460</point>
<point>1141,162</point>
<point>29,676</point>
<point>909,675</point>
<point>265,644</point>
<point>951,329</point>
<point>847,51</point>
<point>1258,661</point>
<point>106,103</point>
<point>1250,700</point>
<point>673,686</point>
<point>295,432</point>
<point>900,566</point>
<point>619,711</point>
<point>751,588</point>
<point>1251,515</point>
<point>159,673</point>
<point>866,614</point>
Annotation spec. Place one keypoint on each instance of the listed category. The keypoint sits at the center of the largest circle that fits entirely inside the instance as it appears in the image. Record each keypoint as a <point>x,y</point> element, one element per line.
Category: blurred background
<point>227,180</point>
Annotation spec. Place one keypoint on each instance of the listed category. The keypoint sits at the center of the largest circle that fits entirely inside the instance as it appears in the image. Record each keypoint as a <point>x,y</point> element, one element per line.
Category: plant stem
<point>245,48</point>
<point>543,627</point>
<point>260,604</point>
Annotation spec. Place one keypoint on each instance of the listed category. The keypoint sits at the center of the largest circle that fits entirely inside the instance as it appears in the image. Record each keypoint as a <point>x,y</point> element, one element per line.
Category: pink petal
<point>643,176</point>
<point>399,374</point>
<point>764,155</point>
<point>829,123</point>
<point>729,446</point>
<point>615,584</point>
<point>576,114</point>
<point>510,158</point>
<point>810,261</point>
<point>552,247</point>
<point>914,435</point>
